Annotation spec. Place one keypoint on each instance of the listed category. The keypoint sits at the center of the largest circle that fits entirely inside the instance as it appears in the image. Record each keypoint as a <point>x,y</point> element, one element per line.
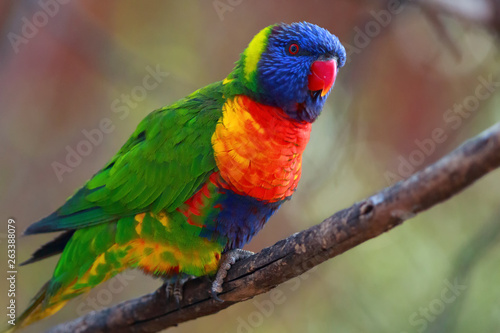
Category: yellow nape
<point>254,51</point>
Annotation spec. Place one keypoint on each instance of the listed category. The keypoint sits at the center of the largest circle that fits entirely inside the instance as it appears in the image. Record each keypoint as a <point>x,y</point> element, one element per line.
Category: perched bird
<point>197,179</point>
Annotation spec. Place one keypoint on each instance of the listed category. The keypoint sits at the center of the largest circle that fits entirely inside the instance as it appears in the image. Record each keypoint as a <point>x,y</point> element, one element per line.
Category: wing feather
<point>164,162</point>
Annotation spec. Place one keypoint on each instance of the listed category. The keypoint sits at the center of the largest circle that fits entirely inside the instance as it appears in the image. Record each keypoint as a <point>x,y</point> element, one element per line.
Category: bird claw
<point>227,260</point>
<point>174,286</point>
<point>168,288</point>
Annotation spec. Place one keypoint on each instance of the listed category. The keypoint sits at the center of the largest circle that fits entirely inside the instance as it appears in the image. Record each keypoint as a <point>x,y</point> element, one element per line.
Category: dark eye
<point>293,48</point>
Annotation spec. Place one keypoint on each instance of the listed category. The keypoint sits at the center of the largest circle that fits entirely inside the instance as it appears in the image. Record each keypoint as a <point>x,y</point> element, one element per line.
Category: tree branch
<point>300,252</point>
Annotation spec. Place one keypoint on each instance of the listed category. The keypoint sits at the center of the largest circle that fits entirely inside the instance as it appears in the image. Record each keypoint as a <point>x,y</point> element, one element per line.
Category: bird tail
<point>36,310</point>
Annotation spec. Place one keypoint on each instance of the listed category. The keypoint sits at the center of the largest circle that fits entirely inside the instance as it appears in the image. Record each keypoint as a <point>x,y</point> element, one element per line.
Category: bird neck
<point>258,149</point>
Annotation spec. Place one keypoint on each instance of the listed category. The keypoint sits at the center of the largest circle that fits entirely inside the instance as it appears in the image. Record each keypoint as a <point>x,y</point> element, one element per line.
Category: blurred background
<point>76,77</point>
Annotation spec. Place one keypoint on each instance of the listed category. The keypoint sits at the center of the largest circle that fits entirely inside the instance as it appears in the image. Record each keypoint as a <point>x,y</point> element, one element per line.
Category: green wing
<point>163,163</point>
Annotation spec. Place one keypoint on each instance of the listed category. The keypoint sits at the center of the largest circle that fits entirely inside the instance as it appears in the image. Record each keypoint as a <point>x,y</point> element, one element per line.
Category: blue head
<point>292,67</point>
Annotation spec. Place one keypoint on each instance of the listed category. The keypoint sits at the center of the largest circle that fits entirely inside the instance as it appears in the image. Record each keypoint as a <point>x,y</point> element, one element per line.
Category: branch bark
<point>300,252</point>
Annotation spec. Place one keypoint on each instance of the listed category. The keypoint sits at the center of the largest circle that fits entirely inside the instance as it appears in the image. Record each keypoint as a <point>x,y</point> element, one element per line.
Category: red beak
<point>322,76</point>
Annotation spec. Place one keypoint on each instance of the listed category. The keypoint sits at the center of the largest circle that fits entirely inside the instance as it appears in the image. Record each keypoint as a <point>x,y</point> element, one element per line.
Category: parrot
<point>197,179</point>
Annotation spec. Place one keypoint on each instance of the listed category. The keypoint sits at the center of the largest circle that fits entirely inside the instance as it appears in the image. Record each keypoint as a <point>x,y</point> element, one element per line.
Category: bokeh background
<point>415,86</point>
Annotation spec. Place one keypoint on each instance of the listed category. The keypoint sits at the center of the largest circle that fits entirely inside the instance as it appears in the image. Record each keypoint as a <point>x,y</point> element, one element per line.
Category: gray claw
<point>227,260</point>
<point>168,289</point>
<point>174,285</point>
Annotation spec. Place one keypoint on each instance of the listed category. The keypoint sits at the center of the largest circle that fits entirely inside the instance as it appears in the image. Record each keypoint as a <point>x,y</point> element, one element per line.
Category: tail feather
<point>53,247</point>
<point>36,309</point>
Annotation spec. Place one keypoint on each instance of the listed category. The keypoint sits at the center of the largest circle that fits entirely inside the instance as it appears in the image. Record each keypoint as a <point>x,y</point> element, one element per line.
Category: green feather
<point>165,160</point>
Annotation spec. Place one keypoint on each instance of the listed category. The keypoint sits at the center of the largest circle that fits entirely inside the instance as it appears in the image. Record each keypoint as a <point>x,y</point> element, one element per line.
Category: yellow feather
<point>254,51</point>
<point>139,218</point>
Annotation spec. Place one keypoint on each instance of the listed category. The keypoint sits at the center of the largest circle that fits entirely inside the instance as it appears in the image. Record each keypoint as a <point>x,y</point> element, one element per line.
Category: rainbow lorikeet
<point>197,179</point>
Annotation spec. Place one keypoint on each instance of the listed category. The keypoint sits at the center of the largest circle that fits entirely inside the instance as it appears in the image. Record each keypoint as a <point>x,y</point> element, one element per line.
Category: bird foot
<point>173,286</point>
<point>227,260</point>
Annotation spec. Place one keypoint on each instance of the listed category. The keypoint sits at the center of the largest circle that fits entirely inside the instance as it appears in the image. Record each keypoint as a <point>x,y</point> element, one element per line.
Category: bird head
<point>291,66</point>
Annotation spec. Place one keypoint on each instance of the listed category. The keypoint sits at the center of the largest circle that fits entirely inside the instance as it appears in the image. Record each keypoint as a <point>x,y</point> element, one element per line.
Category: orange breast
<point>258,149</point>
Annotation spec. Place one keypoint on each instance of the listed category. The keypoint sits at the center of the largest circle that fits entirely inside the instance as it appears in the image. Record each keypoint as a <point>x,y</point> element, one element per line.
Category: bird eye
<point>293,48</point>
